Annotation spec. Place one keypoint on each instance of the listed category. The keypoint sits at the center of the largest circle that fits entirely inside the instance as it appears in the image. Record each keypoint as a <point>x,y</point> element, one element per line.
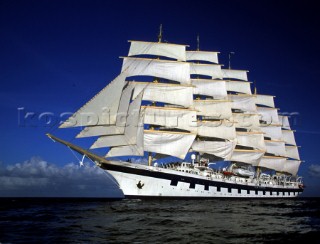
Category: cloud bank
<point>38,178</point>
<point>314,170</point>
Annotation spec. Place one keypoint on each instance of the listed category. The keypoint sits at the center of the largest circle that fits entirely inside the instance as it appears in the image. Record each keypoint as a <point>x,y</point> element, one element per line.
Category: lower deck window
<point>192,185</point>
<point>174,183</point>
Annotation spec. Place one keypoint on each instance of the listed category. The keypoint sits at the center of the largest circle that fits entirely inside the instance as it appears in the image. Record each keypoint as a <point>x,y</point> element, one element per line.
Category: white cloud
<point>36,177</point>
<point>314,170</point>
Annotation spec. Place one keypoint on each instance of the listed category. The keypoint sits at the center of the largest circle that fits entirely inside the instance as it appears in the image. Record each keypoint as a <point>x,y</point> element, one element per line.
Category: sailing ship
<point>183,112</point>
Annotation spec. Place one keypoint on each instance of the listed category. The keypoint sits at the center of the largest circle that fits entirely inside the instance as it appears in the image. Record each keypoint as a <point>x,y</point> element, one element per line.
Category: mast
<point>149,159</point>
<point>230,59</point>
<point>198,43</point>
<point>160,34</point>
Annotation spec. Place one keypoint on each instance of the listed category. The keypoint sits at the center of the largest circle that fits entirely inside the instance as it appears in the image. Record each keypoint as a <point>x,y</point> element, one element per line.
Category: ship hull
<point>140,181</point>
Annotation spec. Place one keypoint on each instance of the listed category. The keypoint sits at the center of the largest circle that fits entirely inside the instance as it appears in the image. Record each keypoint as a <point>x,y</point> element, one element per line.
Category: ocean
<point>66,220</point>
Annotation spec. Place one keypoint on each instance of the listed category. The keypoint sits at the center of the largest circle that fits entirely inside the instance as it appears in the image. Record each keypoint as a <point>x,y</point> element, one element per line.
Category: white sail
<point>265,100</point>
<point>218,109</point>
<point>214,88</point>
<point>169,143</point>
<point>184,119</point>
<point>212,70</point>
<point>202,56</point>
<point>238,86</point>
<point>270,162</point>
<point>134,149</point>
<point>292,152</point>
<point>120,121</point>
<point>171,70</point>
<point>251,139</point>
<point>291,166</point>
<point>222,149</point>
<point>275,147</point>
<point>159,49</point>
<point>269,115</point>
<point>247,156</point>
<point>101,109</point>
<point>284,121</point>
<point>243,102</point>
<point>166,93</point>
<point>219,129</point>
<point>246,121</point>
<point>288,137</point>
<point>130,135</point>
<point>235,74</point>
<point>130,150</point>
<point>101,130</point>
<point>273,132</point>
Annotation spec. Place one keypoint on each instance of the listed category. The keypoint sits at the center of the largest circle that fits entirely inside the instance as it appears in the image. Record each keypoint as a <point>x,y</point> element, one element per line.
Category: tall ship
<point>183,114</point>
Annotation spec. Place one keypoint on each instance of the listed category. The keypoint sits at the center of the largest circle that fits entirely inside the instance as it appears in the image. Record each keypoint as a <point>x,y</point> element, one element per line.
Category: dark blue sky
<point>55,55</point>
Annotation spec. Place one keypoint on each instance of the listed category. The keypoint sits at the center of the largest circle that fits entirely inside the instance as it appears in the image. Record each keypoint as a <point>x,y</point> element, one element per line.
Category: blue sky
<point>55,55</point>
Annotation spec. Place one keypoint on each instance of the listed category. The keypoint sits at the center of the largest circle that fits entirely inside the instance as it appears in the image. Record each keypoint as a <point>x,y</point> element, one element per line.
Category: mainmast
<point>153,102</point>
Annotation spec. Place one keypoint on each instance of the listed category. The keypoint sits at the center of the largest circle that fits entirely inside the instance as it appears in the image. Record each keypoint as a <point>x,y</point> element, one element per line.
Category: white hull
<point>141,181</point>
<point>143,186</point>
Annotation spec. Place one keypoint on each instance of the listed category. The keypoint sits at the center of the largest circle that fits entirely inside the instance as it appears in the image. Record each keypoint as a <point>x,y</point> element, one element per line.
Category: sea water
<point>40,220</point>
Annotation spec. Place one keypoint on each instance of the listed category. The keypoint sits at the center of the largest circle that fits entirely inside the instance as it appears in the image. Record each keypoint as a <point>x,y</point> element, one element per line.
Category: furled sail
<point>235,74</point>
<point>130,135</point>
<point>166,93</point>
<point>184,119</point>
<point>265,100</point>
<point>238,86</point>
<point>175,144</point>
<point>174,51</point>
<point>212,70</point>
<point>202,56</point>
<point>101,109</point>
<point>214,88</point>
<point>272,162</point>
<point>218,109</point>
<point>222,149</point>
<point>171,70</point>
